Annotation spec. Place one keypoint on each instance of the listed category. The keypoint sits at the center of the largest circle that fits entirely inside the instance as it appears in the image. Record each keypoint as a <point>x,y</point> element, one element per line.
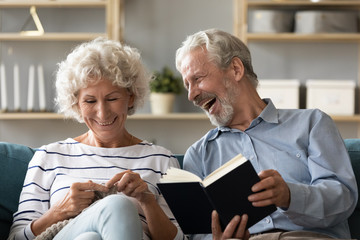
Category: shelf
<point>304,3</point>
<point>51,37</point>
<point>354,118</point>
<point>171,116</point>
<point>140,116</point>
<point>52,3</point>
<point>29,116</point>
<point>320,37</point>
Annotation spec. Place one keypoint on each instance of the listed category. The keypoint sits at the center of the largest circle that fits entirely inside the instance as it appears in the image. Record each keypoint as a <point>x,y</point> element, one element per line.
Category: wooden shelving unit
<point>241,8</point>
<point>114,19</point>
<point>113,29</point>
<point>114,23</point>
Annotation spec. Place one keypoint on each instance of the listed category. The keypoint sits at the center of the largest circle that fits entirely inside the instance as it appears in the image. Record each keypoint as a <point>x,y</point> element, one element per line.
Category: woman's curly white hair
<point>96,60</point>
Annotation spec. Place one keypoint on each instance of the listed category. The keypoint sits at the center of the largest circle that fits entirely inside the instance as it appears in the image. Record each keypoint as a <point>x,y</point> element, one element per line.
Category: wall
<point>157,28</point>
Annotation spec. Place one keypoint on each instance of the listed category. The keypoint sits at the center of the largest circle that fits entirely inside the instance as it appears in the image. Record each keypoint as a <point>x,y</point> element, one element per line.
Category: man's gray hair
<point>222,47</point>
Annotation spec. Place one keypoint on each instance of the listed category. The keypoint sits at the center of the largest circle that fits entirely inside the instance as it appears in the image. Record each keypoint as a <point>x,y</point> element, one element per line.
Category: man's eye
<point>90,101</point>
<point>186,86</point>
<point>112,99</point>
<point>197,78</point>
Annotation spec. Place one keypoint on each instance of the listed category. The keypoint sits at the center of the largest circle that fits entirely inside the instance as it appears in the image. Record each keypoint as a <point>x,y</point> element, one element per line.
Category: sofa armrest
<point>14,159</point>
<point>353,147</point>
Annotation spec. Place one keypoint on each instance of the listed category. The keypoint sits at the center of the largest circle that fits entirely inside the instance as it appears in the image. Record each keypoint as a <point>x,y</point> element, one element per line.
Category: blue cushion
<point>180,158</point>
<point>14,161</point>
<point>353,147</point>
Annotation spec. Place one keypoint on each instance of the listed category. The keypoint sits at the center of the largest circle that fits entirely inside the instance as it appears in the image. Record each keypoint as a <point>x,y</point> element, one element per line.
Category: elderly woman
<point>100,83</point>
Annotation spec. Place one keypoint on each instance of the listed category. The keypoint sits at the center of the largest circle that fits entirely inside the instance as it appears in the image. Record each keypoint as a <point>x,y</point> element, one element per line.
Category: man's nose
<point>193,91</point>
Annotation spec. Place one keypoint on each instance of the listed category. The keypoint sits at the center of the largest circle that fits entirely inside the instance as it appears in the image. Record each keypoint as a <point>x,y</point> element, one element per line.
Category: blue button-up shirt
<point>305,147</point>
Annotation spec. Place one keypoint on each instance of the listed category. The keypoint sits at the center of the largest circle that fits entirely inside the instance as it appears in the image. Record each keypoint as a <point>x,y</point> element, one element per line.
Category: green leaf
<point>166,82</point>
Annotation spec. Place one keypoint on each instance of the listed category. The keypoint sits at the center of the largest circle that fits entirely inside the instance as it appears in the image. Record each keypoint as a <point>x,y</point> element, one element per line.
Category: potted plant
<point>164,87</point>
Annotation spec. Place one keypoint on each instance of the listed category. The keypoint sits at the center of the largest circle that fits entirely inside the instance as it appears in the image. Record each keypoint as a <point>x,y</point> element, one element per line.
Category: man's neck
<point>243,116</point>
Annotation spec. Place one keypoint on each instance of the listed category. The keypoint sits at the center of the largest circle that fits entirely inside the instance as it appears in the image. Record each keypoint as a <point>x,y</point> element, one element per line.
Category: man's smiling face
<point>207,86</point>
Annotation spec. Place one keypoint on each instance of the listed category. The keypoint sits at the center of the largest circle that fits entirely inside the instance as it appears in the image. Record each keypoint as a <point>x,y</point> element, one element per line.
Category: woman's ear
<point>238,68</point>
<point>131,101</point>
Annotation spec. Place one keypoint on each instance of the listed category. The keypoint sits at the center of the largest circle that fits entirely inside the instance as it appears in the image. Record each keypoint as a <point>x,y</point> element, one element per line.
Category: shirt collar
<point>269,114</point>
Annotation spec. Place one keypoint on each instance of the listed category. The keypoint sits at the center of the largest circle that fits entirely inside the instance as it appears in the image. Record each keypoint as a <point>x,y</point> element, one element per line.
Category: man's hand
<point>276,191</point>
<point>235,229</point>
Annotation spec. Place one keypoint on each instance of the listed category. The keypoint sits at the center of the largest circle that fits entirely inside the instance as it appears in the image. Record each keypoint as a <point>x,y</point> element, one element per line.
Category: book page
<point>179,175</point>
<point>225,168</point>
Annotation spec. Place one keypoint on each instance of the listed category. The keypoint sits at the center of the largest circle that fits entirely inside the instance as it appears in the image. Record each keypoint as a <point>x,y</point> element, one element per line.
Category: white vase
<point>162,103</point>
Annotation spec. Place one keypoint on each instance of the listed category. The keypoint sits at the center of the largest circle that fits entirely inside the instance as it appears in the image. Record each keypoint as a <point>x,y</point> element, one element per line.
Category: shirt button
<point>298,155</point>
<point>267,220</point>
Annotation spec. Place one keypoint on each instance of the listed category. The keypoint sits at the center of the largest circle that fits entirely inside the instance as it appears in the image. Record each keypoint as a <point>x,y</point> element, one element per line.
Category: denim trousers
<point>113,217</point>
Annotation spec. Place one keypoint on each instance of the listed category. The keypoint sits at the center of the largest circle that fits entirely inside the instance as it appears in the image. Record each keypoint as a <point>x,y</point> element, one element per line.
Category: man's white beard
<point>224,117</point>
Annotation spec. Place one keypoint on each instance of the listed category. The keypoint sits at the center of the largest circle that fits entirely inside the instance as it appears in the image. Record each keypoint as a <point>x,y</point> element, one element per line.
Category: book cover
<point>190,206</point>
<point>226,191</point>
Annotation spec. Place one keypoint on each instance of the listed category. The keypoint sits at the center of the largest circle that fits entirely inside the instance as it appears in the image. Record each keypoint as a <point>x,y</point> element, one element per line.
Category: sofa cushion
<point>353,147</point>
<point>14,159</point>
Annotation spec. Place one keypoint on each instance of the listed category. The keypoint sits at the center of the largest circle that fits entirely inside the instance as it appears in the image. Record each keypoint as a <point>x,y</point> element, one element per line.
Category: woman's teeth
<point>106,123</point>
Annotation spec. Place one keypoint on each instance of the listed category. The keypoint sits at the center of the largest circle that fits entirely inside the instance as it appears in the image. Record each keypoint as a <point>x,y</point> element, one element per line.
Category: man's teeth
<point>205,105</point>
<point>209,104</point>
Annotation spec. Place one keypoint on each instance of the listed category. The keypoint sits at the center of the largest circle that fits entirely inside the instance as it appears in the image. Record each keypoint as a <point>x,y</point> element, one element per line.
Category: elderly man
<point>298,153</point>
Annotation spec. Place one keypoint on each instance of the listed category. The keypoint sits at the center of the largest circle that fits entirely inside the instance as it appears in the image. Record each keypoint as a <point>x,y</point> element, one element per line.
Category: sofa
<point>14,159</point>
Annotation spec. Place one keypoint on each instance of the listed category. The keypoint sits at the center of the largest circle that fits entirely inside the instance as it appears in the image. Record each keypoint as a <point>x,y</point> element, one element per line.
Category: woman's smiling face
<point>104,108</point>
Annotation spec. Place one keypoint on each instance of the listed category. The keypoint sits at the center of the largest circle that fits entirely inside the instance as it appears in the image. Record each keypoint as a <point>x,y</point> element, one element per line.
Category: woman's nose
<point>102,110</point>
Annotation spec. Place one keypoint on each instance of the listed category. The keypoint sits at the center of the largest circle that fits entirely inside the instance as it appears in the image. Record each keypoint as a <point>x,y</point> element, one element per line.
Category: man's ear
<point>238,68</point>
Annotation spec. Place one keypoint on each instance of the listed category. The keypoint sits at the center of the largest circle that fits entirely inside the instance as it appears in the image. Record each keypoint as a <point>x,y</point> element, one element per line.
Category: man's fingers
<point>231,227</point>
<point>215,224</point>
<point>241,230</point>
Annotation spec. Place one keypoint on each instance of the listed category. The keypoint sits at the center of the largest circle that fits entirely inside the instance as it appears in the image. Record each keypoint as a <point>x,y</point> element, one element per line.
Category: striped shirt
<point>56,166</point>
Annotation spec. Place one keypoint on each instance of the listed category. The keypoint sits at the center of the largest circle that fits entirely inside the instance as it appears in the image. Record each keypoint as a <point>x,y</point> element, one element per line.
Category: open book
<point>226,190</point>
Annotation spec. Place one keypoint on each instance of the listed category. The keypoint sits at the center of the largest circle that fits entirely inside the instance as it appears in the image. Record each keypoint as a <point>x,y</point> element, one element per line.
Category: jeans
<point>113,217</point>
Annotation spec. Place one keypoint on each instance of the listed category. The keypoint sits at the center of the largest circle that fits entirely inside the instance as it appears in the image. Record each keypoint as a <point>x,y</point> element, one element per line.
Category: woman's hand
<point>132,185</point>
<point>79,197</point>
<point>236,229</point>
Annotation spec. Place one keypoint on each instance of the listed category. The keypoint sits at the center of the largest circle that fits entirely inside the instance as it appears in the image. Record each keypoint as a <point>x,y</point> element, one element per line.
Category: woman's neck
<point>123,140</point>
